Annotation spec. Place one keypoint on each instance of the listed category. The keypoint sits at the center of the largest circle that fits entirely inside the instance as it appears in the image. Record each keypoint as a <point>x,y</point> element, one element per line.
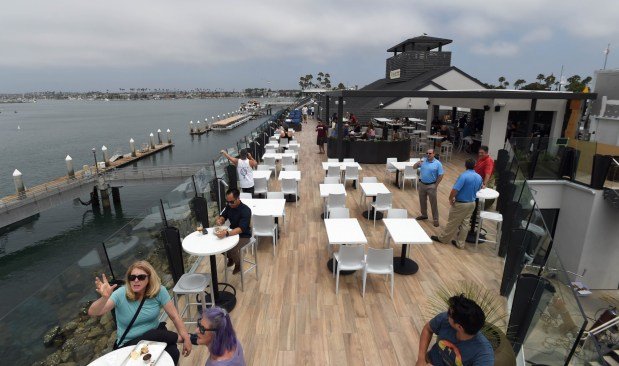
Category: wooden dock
<point>199,131</point>
<point>225,123</point>
<point>140,154</point>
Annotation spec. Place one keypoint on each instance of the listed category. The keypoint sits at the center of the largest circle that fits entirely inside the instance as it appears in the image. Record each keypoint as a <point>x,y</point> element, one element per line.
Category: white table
<point>371,190</point>
<point>118,356</point>
<point>210,245</point>
<point>262,174</point>
<point>343,231</point>
<point>271,145</point>
<point>383,120</point>
<point>400,166</point>
<point>278,156</point>
<point>275,207</point>
<point>404,232</point>
<point>342,165</point>
<point>287,174</point>
<point>435,138</point>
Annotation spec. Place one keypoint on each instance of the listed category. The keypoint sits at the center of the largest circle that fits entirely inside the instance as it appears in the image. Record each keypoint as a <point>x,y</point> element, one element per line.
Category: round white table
<point>482,195</point>
<point>210,245</point>
<point>118,356</point>
<point>435,138</point>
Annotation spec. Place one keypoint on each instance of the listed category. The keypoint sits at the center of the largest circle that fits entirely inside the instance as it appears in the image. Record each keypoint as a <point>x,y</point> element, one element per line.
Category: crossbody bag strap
<point>135,316</point>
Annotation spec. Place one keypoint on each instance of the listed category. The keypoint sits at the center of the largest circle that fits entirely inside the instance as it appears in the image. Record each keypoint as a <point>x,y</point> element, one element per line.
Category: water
<point>49,130</point>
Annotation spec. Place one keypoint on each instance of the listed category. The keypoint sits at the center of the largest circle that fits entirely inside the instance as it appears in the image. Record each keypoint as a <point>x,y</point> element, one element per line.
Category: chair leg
<point>242,253</point>
<point>337,281</point>
<point>391,274</point>
<point>498,237</point>
<point>375,217</point>
<point>365,275</point>
<point>478,231</point>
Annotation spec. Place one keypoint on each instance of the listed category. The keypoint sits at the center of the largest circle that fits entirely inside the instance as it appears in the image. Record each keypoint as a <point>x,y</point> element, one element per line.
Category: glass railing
<point>558,319</point>
<point>562,158</point>
<point>52,326</point>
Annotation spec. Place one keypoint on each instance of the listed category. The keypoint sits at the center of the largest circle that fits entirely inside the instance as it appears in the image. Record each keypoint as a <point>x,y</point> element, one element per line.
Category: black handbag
<point>135,316</point>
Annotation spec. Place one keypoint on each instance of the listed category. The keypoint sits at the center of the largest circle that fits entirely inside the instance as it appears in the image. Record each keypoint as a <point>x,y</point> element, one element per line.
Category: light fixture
<point>410,102</point>
<point>380,105</point>
<point>428,102</point>
<point>486,108</point>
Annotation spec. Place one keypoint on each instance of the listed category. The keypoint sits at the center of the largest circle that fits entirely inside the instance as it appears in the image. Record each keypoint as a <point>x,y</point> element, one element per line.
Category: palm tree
<point>540,78</point>
<point>518,83</point>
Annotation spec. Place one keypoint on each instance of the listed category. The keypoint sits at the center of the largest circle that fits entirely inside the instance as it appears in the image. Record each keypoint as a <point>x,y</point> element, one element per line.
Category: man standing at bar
<point>484,165</point>
<point>430,176</point>
<point>462,201</point>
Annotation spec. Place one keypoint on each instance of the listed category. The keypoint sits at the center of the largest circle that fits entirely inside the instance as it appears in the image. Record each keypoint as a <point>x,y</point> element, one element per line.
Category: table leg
<point>370,214</point>
<point>472,235</point>
<point>397,177</point>
<point>403,265</point>
<point>224,298</point>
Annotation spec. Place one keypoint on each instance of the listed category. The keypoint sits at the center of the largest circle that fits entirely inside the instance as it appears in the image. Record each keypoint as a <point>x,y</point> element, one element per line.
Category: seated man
<point>459,340</point>
<point>239,215</point>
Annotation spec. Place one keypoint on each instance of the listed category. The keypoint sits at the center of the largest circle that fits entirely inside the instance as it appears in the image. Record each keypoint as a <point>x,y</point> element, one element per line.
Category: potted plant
<point>492,307</point>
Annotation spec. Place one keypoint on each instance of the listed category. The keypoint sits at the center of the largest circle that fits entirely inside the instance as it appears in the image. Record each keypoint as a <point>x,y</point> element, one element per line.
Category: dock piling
<point>70,171</point>
<point>169,136</point>
<point>152,140</point>
<point>19,183</point>
<point>190,126</point>
<point>159,136</point>
<point>132,147</point>
<point>106,156</point>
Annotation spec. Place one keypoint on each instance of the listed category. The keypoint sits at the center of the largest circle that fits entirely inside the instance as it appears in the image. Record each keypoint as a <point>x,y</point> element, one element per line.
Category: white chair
<point>263,167</point>
<point>290,186</point>
<point>334,171</point>
<point>333,161</point>
<point>348,258</point>
<point>410,173</point>
<point>270,162</point>
<point>245,195</point>
<point>278,195</point>
<point>260,186</point>
<point>287,160</point>
<point>447,150</point>
<point>369,180</point>
<point>270,151</point>
<point>273,139</point>
<point>378,261</point>
<point>332,180</point>
<point>263,225</point>
<point>253,262</point>
<point>339,213</point>
<point>192,284</point>
<point>283,142</point>
<point>290,168</point>
<point>349,160</point>
<point>351,173</point>
<point>390,168</point>
<point>335,200</point>
<point>382,203</point>
<point>495,217</point>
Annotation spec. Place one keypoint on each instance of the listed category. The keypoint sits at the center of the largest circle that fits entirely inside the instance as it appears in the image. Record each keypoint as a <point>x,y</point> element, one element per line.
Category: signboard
<point>394,74</point>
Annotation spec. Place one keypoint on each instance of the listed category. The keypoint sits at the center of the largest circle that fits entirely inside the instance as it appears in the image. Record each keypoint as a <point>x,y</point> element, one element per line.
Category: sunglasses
<point>203,330</point>
<point>140,277</point>
<point>430,153</point>
<point>231,202</point>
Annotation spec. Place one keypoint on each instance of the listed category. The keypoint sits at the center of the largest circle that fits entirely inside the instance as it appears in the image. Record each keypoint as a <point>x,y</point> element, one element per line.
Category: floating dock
<point>231,122</point>
<point>199,131</point>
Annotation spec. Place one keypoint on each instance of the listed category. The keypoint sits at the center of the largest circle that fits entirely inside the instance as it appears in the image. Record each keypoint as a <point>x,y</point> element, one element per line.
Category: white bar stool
<point>192,284</point>
<point>495,217</point>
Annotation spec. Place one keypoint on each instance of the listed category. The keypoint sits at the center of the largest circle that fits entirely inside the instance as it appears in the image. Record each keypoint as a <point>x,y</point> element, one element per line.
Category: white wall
<point>587,232</point>
<point>495,128</point>
<point>454,80</point>
<point>606,130</point>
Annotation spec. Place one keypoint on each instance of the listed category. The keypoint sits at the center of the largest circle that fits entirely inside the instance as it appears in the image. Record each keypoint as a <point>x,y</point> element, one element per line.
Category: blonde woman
<point>143,295</point>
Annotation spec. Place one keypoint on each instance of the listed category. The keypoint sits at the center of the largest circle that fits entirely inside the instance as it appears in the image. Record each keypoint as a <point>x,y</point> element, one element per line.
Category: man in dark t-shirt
<point>459,340</point>
<point>239,215</point>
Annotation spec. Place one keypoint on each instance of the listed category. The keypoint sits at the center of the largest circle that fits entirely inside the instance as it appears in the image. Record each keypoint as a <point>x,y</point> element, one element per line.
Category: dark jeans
<point>235,253</point>
<point>160,334</point>
<point>248,190</point>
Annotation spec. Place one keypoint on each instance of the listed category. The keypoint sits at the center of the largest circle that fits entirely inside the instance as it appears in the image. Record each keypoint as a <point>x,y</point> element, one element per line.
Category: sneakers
<point>435,238</point>
<point>436,224</point>
<point>230,262</point>
<point>237,269</point>
<point>422,217</point>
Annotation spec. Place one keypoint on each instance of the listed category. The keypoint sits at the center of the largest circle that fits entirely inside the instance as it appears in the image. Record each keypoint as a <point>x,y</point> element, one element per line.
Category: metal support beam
<point>531,117</point>
<point>340,128</point>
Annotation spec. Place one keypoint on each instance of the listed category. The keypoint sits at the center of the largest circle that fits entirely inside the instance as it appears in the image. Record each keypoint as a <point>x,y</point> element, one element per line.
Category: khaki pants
<point>459,219</point>
<point>428,191</point>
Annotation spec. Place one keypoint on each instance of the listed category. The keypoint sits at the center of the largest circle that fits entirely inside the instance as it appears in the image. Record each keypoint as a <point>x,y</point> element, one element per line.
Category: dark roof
<point>421,43</point>
<point>418,81</point>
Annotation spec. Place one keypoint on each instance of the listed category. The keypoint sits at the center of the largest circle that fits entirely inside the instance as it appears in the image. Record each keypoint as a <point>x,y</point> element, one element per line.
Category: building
<point>604,125</point>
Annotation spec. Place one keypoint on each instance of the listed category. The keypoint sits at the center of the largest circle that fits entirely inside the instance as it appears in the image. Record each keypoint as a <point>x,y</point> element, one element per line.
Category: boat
<point>250,106</point>
<point>231,122</point>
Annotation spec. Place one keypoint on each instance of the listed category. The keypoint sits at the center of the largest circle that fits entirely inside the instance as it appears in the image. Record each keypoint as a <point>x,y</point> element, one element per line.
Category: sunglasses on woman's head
<point>140,277</point>
<point>203,329</point>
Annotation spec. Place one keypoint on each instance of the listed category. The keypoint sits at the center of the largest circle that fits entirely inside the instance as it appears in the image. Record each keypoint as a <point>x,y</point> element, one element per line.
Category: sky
<point>73,45</point>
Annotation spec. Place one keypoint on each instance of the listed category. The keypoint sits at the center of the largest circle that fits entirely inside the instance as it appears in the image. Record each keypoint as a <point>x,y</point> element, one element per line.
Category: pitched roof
<point>421,43</point>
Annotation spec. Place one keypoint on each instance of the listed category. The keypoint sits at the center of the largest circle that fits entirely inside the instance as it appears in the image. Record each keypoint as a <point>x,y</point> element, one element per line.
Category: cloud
<point>497,48</point>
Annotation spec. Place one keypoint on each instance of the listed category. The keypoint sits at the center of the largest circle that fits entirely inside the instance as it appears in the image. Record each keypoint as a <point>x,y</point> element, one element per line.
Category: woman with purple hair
<point>216,332</point>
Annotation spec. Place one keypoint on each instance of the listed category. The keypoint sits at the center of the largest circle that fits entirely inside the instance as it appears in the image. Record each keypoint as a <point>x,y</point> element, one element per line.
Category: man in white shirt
<point>245,164</point>
<point>304,113</point>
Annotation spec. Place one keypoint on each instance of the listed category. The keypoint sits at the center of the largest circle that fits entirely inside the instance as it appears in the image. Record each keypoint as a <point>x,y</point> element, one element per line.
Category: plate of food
<point>145,353</point>
<point>219,229</point>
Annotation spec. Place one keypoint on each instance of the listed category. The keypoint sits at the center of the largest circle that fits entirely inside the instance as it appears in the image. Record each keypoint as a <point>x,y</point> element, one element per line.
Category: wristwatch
<point>227,233</point>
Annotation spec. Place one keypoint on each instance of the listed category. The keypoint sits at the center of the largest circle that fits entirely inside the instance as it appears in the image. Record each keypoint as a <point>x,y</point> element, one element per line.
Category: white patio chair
<point>288,160</point>
<point>253,262</point>
<point>245,195</point>
<point>382,203</point>
<point>333,161</point>
<point>332,180</point>
<point>335,200</point>
<point>339,213</point>
<point>270,162</point>
<point>348,258</point>
<point>188,286</point>
<point>378,261</point>
<point>390,168</point>
<point>410,173</point>
<point>260,186</point>
<point>263,225</point>
<point>351,173</point>
<point>334,171</point>
<point>349,160</point>
<point>290,186</point>
<point>263,167</point>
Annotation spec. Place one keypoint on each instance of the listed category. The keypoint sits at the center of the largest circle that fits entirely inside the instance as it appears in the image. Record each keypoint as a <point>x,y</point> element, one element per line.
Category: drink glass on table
<point>199,228</point>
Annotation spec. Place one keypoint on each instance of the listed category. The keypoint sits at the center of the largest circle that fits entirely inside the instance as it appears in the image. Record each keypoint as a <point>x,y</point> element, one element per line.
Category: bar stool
<point>192,284</point>
<point>495,217</point>
<point>447,150</point>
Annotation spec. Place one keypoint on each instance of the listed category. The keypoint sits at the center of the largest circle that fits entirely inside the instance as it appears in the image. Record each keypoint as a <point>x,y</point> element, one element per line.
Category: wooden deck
<point>291,314</point>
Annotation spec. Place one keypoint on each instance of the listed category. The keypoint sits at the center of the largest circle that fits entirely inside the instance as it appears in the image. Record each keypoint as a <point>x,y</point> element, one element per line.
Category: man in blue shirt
<point>430,175</point>
<point>462,201</point>
<point>459,339</point>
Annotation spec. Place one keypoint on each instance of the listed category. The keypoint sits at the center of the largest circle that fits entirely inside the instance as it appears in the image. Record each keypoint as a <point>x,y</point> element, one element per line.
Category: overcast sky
<point>99,45</point>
